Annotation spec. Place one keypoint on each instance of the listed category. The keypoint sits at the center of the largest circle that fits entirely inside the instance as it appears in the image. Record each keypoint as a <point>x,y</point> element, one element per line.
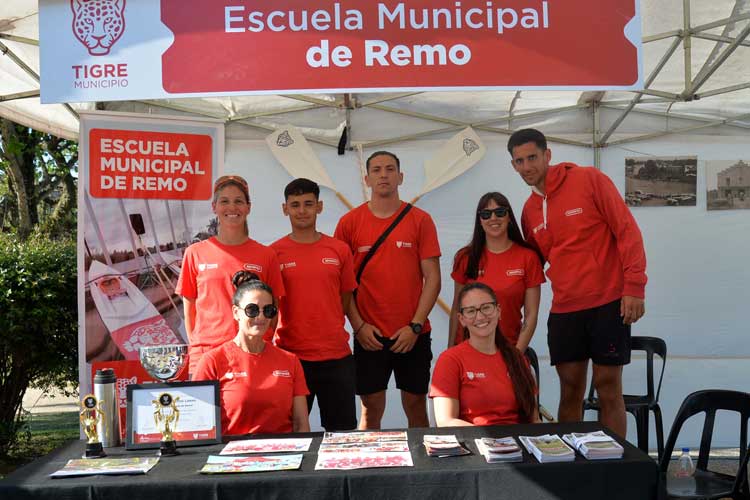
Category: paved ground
<point>36,401</point>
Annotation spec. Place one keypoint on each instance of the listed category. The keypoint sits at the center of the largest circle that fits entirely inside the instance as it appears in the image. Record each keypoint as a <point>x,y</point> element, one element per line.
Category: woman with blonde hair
<point>208,267</point>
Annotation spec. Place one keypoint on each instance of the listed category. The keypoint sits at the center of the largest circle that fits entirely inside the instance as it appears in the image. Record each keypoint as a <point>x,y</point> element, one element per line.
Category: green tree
<point>38,176</point>
<point>38,322</point>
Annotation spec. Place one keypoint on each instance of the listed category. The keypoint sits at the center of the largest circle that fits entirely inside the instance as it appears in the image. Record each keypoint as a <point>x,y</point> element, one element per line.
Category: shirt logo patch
<point>470,375</point>
<point>515,272</point>
<point>403,244</point>
<point>364,249</point>
<point>253,267</point>
<point>231,375</point>
<point>331,261</point>
<point>281,373</point>
<point>287,265</point>
<point>538,228</point>
<point>480,272</point>
<point>206,267</point>
<point>574,211</point>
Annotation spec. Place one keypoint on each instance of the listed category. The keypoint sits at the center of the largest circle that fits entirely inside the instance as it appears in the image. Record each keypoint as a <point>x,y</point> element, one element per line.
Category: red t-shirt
<point>509,274</point>
<point>480,382</point>
<point>206,277</point>
<point>392,282</point>
<point>311,324</point>
<point>256,390</point>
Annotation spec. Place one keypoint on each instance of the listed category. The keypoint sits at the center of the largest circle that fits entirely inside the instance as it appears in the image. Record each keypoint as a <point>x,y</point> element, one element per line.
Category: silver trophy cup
<point>164,362</point>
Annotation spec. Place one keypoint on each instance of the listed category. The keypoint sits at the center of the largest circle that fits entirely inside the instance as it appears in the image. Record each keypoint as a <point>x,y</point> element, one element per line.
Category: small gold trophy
<point>91,416</point>
<point>164,362</point>
<point>166,416</point>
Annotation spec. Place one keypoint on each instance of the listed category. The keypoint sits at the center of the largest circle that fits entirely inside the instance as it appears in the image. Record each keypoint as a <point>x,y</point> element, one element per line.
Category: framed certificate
<point>194,405</point>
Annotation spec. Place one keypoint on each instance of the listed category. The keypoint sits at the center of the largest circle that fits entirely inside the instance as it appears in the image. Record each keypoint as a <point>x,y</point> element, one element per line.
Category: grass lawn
<point>48,432</point>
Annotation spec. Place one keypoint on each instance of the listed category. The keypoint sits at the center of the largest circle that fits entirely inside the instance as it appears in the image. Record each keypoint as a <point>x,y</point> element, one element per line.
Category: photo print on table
<point>655,181</point>
<point>727,184</point>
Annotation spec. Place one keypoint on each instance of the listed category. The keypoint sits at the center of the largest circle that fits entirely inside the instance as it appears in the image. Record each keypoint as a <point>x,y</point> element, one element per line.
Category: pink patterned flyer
<point>266,446</point>
<point>348,461</point>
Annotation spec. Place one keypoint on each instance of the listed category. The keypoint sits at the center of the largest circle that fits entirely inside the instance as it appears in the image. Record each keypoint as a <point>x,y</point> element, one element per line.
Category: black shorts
<point>332,381</point>
<point>412,369</point>
<point>597,334</point>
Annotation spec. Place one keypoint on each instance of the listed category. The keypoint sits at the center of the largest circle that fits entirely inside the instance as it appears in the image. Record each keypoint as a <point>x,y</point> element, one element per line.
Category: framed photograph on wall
<point>667,181</point>
<point>191,409</point>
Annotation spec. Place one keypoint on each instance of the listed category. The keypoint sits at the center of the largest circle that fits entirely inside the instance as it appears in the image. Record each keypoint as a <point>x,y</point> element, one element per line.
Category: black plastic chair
<point>705,483</point>
<point>640,405</point>
<point>534,362</point>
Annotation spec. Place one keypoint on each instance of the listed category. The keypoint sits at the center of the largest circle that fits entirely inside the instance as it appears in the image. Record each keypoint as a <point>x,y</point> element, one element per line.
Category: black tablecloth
<point>634,477</point>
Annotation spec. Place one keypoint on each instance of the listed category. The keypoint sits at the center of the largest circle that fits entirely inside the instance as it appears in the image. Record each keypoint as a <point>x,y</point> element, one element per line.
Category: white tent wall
<point>696,296</point>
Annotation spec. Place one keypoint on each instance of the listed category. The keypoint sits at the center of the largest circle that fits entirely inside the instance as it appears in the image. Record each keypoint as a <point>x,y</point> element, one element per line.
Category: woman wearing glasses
<point>485,380</point>
<point>262,387</point>
<point>498,256</point>
<point>208,266</point>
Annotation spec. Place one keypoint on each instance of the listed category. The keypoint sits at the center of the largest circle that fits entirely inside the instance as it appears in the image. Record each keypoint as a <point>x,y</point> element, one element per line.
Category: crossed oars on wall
<point>456,156</point>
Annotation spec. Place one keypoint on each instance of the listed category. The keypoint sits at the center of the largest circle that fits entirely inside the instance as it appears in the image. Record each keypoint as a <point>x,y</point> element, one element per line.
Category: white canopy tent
<point>696,102</point>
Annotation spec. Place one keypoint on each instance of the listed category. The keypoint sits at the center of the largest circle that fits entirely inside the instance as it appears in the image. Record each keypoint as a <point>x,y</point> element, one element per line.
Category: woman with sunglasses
<point>498,256</point>
<point>485,380</point>
<point>262,387</point>
<point>208,266</point>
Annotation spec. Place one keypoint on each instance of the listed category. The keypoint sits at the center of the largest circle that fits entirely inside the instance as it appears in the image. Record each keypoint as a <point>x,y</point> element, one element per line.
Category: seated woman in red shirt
<point>485,380</point>
<point>262,387</point>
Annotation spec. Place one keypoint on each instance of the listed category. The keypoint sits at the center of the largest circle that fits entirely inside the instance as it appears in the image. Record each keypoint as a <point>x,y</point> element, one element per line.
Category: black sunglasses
<point>486,213</point>
<point>253,310</point>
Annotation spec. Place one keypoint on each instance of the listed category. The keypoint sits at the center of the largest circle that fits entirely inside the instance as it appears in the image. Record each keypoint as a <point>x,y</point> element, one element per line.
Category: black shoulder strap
<point>382,238</point>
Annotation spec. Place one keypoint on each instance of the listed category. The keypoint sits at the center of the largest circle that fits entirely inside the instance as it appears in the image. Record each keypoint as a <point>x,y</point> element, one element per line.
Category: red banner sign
<point>329,44</point>
<point>151,165</point>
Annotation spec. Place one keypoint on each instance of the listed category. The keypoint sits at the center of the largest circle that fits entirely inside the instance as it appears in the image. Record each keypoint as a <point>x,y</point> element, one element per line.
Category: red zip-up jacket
<point>583,228</point>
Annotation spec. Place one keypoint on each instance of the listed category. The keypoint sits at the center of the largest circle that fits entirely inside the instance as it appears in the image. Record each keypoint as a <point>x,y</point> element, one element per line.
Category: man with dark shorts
<point>318,273</point>
<point>579,222</point>
<point>397,290</point>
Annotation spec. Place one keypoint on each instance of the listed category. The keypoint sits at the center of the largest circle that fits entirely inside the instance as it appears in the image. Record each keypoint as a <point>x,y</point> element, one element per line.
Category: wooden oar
<point>456,156</point>
<point>292,150</point>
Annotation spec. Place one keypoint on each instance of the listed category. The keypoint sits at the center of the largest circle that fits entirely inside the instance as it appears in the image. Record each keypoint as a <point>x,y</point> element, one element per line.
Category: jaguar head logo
<point>98,24</point>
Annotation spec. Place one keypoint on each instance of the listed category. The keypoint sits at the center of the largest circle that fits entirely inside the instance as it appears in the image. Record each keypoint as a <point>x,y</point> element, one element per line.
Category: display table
<point>634,477</point>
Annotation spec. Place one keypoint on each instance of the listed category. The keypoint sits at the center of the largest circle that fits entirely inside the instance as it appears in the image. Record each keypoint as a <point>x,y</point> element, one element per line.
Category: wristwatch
<point>416,328</point>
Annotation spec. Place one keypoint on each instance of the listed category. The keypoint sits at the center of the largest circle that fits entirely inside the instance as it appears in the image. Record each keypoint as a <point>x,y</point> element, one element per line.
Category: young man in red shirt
<point>397,290</point>
<point>578,220</point>
<point>319,279</point>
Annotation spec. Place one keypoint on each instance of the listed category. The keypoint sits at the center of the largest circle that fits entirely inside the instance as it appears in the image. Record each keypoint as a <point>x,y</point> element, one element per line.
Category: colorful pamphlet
<point>363,437</point>
<point>548,448</point>
<point>362,450</point>
<point>383,446</point>
<point>499,449</point>
<point>348,461</point>
<point>244,446</point>
<point>594,445</point>
<point>90,466</point>
<point>258,463</point>
<point>443,446</point>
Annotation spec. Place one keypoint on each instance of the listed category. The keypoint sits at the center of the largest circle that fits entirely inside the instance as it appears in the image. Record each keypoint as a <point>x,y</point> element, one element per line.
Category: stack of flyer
<point>499,449</point>
<point>548,448</point>
<point>223,464</point>
<point>443,446</point>
<point>92,466</point>
<point>594,445</point>
<point>362,450</point>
